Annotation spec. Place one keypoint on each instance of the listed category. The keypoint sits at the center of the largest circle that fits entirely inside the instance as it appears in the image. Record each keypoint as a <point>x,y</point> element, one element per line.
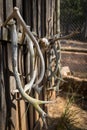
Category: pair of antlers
<point>14,40</point>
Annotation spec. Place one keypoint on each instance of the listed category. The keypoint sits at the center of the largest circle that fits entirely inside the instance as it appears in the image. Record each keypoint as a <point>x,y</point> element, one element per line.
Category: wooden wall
<point>41,16</point>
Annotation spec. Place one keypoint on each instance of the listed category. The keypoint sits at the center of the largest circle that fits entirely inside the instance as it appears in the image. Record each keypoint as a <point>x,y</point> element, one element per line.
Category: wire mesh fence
<point>73,17</point>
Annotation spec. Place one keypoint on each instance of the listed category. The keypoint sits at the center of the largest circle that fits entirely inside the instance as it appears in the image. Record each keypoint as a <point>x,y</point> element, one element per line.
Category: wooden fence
<point>41,16</point>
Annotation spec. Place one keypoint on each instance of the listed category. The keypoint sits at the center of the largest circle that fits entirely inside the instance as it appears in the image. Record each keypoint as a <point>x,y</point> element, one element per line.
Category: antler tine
<point>13,15</point>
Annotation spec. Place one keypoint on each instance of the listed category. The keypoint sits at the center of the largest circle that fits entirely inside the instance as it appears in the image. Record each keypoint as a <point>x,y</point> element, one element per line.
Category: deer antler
<point>14,39</point>
<point>16,14</point>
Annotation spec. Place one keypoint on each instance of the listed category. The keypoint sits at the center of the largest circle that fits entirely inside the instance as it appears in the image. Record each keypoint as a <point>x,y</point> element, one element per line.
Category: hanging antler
<point>14,39</point>
<point>33,101</point>
<point>16,14</point>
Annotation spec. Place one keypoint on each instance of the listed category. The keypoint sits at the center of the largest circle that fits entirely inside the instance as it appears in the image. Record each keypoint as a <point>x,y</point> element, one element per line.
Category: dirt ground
<point>66,115</point>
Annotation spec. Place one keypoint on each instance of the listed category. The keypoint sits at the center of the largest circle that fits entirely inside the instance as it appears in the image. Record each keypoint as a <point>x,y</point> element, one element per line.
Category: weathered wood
<point>27,9</point>
<point>2,85</point>
<point>34,16</point>
<point>19,5</point>
<point>72,49</point>
<point>43,17</point>
<point>23,115</point>
<point>1,12</point>
<point>39,15</point>
<point>9,7</point>
<point>22,105</point>
<point>11,103</point>
<point>75,86</point>
<point>47,18</point>
<point>2,93</point>
<point>58,17</point>
<point>54,18</point>
<point>76,79</point>
<point>39,18</point>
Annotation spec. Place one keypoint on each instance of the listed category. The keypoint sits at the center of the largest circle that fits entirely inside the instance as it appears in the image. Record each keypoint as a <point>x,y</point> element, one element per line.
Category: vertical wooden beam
<point>22,105</point>
<point>58,17</point>
<point>39,18</point>
<point>9,7</point>
<point>47,18</point>
<point>2,89</point>
<point>34,16</point>
<point>42,18</point>
<point>1,12</point>
<point>11,80</point>
<point>54,18</point>
<point>19,5</point>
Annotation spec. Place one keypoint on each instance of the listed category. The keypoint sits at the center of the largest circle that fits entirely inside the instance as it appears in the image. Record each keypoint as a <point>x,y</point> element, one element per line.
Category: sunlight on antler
<point>14,40</point>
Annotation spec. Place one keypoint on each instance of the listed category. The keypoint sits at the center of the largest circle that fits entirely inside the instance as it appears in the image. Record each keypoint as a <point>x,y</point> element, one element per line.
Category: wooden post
<point>39,18</point>
<point>58,17</point>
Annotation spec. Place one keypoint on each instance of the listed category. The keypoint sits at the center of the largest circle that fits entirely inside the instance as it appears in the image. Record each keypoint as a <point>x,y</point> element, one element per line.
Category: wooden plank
<point>1,11</point>
<point>39,18</point>
<point>22,105</point>
<point>12,86</point>
<point>58,17</point>
<point>34,16</point>
<point>26,11</point>
<point>11,106</point>
<point>80,50</point>
<point>2,85</point>
<point>23,115</point>
<point>51,18</point>
<point>54,18</point>
<point>9,7</point>
<point>31,124</point>
<point>52,11</point>
<point>42,18</point>
<point>47,17</point>
<point>19,5</point>
<point>2,93</point>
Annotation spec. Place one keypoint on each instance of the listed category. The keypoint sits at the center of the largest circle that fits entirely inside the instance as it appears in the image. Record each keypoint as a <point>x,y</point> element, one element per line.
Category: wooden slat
<point>12,86</point>
<point>51,18</point>
<point>9,7</point>
<point>47,17</point>
<point>34,16</point>
<point>54,18</point>
<point>39,18</point>
<point>58,17</point>
<point>42,18</point>
<point>11,80</point>
<point>19,5</point>
<point>22,106</point>
<point>31,120</point>
<point>23,115</point>
<point>2,93</point>
<point>2,86</point>
<point>1,12</point>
